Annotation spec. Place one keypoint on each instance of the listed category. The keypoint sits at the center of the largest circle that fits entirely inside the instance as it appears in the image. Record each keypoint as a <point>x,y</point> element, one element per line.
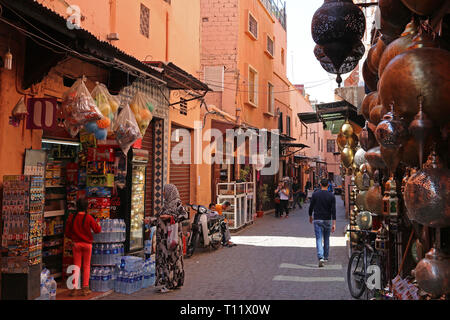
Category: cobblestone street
<point>275,260</point>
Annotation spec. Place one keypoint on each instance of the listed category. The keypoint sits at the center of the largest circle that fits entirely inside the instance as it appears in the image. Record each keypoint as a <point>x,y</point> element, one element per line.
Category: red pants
<point>83,251</point>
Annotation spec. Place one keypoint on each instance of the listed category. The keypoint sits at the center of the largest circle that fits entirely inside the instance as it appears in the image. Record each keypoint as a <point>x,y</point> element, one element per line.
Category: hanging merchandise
<point>126,129</point>
<point>106,103</point>
<point>141,106</point>
<point>79,108</point>
<point>19,113</point>
<point>427,195</point>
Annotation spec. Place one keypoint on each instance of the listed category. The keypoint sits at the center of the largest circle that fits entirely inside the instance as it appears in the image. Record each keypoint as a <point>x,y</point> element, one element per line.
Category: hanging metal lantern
<point>391,133</point>
<point>394,17</point>
<point>404,80</point>
<point>427,194</point>
<point>337,26</point>
<point>367,138</point>
<point>349,64</point>
<point>423,7</point>
<point>398,46</point>
<point>420,128</point>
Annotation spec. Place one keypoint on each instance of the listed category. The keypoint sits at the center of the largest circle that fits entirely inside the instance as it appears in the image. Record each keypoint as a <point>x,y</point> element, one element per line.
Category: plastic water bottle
<point>53,286</point>
<point>152,272</point>
<point>45,274</point>
<point>45,295</point>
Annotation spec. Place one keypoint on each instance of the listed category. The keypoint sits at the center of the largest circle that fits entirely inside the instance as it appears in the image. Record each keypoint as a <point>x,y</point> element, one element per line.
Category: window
<point>270,98</point>
<point>214,77</point>
<point>145,21</point>
<point>282,56</point>
<point>183,106</point>
<point>288,126</point>
<point>252,26</point>
<point>252,86</point>
<point>331,146</point>
<point>270,46</point>
<point>280,123</point>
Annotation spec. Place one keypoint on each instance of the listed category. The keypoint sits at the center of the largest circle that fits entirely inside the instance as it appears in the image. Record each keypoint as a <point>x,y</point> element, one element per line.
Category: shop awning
<point>49,41</point>
<point>327,112</point>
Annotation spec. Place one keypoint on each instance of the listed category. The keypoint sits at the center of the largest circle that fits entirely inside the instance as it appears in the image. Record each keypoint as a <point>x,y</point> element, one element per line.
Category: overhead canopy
<point>334,111</point>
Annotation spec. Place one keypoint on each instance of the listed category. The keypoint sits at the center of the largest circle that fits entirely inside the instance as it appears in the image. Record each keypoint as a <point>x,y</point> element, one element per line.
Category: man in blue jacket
<point>323,204</point>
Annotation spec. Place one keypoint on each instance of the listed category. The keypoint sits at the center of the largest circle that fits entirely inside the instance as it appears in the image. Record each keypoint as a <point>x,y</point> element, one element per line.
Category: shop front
<point>117,159</point>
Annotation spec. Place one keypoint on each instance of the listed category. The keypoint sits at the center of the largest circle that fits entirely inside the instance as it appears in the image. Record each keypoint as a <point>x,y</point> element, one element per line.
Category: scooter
<point>206,231</point>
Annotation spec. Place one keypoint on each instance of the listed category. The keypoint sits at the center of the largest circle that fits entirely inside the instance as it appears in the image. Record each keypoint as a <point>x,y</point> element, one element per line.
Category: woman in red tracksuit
<point>79,229</point>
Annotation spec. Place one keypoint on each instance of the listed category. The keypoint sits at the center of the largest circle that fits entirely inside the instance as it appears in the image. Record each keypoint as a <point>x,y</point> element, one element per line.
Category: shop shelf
<point>56,213</point>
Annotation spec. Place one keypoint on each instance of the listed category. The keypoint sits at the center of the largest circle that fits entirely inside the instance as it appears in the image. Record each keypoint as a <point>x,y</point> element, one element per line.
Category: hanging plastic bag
<point>140,105</point>
<point>126,129</point>
<point>172,234</point>
<point>79,108</point>
<point>106,103</point>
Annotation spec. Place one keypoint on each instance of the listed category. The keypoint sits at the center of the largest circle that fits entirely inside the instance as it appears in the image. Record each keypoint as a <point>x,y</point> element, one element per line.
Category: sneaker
<point>321,262</point>
<point>326,260</point>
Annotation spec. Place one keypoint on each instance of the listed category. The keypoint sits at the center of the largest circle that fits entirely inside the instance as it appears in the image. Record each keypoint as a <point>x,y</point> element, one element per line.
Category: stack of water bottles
<point>48,286</point>
<point>107,251</point>
<point>102,279</point>
<point>134,274</point>
<point>107,254</point>
<point>113,231</point>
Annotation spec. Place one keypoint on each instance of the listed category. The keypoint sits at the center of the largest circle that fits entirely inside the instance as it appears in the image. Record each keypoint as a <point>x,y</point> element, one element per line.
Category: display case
<point>231,189</point>
<point>235,193</point>
<point>133,200</point>
<point>251,202</point>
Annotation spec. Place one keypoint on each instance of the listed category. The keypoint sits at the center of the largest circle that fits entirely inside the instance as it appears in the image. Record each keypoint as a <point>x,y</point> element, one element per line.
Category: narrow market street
<point>275,260</point>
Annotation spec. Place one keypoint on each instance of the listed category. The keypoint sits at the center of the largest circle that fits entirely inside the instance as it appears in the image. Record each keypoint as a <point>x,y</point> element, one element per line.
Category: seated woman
<point>225,230</point>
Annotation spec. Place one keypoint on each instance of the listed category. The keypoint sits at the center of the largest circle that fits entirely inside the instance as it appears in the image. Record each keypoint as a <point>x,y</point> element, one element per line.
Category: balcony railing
<point>276,8</point>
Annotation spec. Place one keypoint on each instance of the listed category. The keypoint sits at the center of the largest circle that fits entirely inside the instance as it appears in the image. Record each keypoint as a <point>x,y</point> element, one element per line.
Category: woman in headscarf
<point>169,262</point>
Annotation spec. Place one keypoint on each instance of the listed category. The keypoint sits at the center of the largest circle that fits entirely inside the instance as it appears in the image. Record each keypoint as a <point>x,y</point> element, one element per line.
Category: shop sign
<point>42,113</point>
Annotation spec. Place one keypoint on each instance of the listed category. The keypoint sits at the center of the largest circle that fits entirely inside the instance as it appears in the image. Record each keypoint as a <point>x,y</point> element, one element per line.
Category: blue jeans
<point>322,228</point>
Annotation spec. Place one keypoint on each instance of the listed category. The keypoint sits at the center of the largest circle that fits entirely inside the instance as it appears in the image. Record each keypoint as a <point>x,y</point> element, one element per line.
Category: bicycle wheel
<point>356,278</point>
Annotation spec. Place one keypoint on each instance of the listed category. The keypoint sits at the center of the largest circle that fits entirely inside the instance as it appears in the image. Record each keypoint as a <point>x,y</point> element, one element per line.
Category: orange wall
<point>13,141</point>
<point>252,52</point>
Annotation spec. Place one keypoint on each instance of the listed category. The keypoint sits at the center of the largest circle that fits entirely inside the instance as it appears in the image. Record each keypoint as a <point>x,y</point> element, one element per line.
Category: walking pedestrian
<point>79,228</point>
<point>298,194</point>
<point>283,193</point>
<point>169,262</point>
<point>277,200</point>
<point>323,204</point>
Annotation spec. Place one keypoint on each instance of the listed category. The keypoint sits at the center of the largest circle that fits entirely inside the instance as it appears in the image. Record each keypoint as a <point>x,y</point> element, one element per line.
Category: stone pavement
<point>275,260</point>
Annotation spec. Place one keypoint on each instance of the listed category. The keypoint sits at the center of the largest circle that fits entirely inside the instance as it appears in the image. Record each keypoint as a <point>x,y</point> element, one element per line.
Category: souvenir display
<point>22,216</point>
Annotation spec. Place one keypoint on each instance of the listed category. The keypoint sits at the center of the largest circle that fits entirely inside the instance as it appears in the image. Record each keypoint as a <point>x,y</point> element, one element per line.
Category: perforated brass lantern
<point>337,26</point>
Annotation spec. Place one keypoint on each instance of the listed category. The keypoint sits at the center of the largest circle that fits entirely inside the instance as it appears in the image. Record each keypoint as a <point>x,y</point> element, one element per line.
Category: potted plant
<point>262,199</point>
<point>244,174</point>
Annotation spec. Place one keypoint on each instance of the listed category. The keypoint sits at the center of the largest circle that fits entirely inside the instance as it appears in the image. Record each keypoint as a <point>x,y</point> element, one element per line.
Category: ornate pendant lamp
<point>338,27</point>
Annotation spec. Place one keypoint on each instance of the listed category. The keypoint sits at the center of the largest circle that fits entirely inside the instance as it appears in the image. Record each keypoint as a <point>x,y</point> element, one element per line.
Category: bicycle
<point>360,260</point>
